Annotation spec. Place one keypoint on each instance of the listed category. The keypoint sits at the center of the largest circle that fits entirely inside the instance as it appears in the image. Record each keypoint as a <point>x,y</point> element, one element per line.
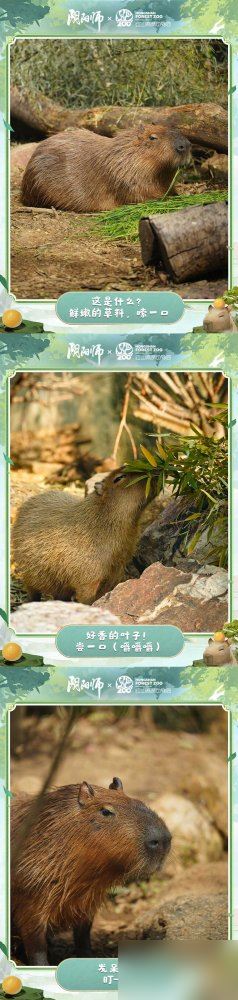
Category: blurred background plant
<point>91,72</point>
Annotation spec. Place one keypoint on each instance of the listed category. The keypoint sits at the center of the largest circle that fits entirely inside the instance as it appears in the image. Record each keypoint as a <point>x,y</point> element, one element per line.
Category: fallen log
<point>191,243</point>
<point>205,125</point>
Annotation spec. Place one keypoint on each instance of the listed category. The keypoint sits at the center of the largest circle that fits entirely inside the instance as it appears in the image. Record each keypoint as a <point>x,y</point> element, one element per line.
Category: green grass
<point>122,223</point>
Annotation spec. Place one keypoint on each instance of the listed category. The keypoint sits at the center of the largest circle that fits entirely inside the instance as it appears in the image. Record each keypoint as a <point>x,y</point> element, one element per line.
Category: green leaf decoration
<point>3,281</point>
<point>8,126</point>
<point>27,660</point>
<point>3,615</point>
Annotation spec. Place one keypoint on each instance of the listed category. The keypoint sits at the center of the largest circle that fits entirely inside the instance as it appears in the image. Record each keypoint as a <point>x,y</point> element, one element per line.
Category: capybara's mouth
<point>153,865</point>
<point>184,158</point>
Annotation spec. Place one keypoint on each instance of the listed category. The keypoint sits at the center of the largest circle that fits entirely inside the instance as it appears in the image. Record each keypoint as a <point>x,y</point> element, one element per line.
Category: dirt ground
<point>152,760</point>
<point>50,253</point>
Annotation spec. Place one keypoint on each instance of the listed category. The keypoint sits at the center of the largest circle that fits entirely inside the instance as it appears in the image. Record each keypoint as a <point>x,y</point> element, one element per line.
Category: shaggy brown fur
<point>81,171</point>
<point>84,840</point>
<point>64,547</point>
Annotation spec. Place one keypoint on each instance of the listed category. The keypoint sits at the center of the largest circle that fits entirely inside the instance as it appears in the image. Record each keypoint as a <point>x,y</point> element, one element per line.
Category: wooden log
<point>191,243</point>
<point>205,125</point>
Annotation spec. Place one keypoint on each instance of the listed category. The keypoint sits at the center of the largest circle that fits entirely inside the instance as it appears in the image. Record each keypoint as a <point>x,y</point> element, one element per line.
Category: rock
<point>195,838</point>
<point>213,795</point>
<point>162,540</point>
<point>50,616</point>
<point>209,582</point>
<point>204,917</point>
<point>216,167</point>
<point>164,595</point>
<point>156,543</point>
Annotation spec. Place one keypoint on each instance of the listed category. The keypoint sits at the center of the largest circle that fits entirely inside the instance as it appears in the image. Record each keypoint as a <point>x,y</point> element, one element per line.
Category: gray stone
<point>49,616</point>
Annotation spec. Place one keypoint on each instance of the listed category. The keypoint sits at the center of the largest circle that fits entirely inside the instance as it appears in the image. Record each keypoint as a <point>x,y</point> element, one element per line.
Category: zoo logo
<point>124,684</point>
<point>124,351</point>
<point>124,18</point>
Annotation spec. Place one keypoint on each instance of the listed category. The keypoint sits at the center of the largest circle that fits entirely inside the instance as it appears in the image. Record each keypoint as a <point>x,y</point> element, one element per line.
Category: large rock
<point>195,602</point>
<point>211,792</point>
<point>163,539</point>
<point>204,918</point>
<point>50,616</point>
<point>195,837</point>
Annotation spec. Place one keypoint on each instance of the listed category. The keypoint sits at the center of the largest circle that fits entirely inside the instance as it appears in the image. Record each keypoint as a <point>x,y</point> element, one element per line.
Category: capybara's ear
<point>116,783</point>
<point>86,792</point>
<point>210,307</point>
<point>99,487</point>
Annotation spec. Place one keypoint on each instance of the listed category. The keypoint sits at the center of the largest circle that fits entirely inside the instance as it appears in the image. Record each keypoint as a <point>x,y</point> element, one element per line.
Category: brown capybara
<point>81,171</point>
<point>218,319</point>
<point>83,840</point>
<point>219,652</point>
<point>67,548</point>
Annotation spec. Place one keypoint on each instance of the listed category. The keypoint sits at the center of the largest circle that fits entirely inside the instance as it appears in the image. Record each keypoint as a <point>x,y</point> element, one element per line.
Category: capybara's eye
<point>119,477</point>
<point>153,137</point>
<point>107,811</point>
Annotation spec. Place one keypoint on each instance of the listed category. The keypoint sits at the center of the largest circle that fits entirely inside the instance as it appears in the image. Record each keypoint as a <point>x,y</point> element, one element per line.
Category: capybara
<point>219,652</point>
<point>219,319</point>
<point>84,840</point>
<point>81,171</point>
<point>68,548</point>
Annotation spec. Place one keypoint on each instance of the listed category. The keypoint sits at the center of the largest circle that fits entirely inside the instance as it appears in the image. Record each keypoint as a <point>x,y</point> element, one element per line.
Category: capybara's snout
<point>157,842</point>
<point>182,148</point>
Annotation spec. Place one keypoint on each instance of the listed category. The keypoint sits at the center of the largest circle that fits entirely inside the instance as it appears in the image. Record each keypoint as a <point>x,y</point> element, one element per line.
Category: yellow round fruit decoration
<point>219,636</point>
<point>12,318</point>
<point>12,651</point>
<point>219,303</point>
<point>11,985</point>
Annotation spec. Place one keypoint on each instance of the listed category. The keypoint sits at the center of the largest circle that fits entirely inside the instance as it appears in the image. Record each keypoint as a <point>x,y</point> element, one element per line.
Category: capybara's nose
<point>182,145</point>
<point>158,839</point>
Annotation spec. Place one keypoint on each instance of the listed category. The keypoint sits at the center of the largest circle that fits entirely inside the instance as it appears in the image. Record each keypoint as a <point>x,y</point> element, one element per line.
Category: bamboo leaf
<point>148,487</point>
<point>161,452</point>
<point>150,458</point>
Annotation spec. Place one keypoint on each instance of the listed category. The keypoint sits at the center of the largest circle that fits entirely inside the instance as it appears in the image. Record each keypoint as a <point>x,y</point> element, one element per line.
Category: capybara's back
<point>82,840</point>
<point>65,547</point>
<point>81,171</point>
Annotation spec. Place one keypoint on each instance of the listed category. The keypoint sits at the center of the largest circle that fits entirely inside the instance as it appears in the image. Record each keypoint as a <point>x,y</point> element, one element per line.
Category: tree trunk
<point>191,243</point>
<point>205,125</point>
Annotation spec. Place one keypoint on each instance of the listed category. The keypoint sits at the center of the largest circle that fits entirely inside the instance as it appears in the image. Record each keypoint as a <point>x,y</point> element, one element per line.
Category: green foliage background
<point>81,72</point>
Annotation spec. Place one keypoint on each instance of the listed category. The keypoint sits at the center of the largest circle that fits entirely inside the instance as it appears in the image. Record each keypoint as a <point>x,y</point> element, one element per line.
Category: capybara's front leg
<point>35,945</point>
<point>82,943</point>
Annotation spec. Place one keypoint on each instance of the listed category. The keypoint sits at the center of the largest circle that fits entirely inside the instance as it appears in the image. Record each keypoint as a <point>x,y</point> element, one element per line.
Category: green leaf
<point>161,452</point>
<point>147,488</point>
<point>151,459</point>
<point>139,479</point>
